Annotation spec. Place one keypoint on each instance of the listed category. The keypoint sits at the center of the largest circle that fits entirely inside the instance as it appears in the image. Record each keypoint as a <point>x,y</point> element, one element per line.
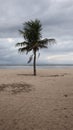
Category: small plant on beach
<point>33,40</point>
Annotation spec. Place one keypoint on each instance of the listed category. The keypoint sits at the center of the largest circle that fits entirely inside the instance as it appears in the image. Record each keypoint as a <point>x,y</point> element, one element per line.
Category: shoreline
<point>55,66</point>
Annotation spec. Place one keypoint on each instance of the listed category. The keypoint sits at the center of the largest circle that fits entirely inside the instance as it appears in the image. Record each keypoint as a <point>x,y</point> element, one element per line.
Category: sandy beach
<point>42,102</point>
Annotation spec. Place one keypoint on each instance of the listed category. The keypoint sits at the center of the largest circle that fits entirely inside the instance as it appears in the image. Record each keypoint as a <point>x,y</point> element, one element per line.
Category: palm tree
<point>33,42</point>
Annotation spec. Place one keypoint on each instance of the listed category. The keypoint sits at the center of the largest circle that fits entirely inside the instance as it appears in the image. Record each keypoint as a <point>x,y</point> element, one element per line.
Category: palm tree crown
<point>33,39</point>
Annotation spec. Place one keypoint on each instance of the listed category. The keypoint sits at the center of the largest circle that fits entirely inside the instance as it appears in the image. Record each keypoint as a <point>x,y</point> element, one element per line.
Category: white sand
<point>42,102</point>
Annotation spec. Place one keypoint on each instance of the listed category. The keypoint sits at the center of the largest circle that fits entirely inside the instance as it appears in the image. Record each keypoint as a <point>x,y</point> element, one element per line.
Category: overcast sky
<point>56,17</point>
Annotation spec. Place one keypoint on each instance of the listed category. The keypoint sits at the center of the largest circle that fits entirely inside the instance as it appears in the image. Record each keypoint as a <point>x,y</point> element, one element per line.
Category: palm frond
<point>30,58</point>
<point>32,30</point>
<point>38,55</point>
<point>21,32</point>
<point>21,50</point>
<point>43,46</point>
<point>43,42</point>
<point>52,41</point>
<point>22,44</point>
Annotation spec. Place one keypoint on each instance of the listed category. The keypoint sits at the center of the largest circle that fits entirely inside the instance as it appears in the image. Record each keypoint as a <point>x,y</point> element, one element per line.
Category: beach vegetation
<point>33,41</point>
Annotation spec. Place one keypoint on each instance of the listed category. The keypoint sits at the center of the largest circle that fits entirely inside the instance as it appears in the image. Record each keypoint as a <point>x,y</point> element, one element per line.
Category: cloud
<point>61,58</point>
<point>56,17</point>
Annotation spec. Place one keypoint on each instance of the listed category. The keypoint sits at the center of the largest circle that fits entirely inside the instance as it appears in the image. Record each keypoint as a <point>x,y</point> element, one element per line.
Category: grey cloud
<point>60,47</point>
<point>56,17</point>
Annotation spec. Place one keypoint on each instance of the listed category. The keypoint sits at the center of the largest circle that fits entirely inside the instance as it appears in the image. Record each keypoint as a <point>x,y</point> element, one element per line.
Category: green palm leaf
<point>24,49</point>
<point>30,58</point>
<point>22,44</point>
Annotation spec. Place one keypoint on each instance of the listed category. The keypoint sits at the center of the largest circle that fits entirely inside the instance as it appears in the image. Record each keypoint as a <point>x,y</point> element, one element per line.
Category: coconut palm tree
<point>33,40</point>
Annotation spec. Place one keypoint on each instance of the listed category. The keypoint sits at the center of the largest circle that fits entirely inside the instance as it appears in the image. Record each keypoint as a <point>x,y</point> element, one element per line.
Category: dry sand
<point>44,102</point>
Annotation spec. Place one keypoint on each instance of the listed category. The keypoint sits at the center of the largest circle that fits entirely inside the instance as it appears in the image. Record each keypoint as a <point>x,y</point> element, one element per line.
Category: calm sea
<point>38,66</point>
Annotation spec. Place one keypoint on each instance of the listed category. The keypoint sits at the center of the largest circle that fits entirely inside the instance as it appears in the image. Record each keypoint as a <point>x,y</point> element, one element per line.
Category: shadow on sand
<point>25,74</point>
<point>55,75</point>
<point>15,88</point>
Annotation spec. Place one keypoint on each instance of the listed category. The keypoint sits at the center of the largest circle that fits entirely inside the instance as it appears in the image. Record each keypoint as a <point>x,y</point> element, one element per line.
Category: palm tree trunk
<point>34,63</point>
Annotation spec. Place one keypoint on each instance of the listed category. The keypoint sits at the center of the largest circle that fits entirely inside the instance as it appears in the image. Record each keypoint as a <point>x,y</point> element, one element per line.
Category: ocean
<point>38,66</point>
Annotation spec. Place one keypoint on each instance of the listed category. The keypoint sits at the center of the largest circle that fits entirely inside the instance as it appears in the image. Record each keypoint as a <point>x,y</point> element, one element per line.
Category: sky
<point>56,17</point>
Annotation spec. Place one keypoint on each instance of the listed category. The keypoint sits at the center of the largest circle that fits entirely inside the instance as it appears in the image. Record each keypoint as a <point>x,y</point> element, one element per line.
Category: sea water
<point>38,66</point>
